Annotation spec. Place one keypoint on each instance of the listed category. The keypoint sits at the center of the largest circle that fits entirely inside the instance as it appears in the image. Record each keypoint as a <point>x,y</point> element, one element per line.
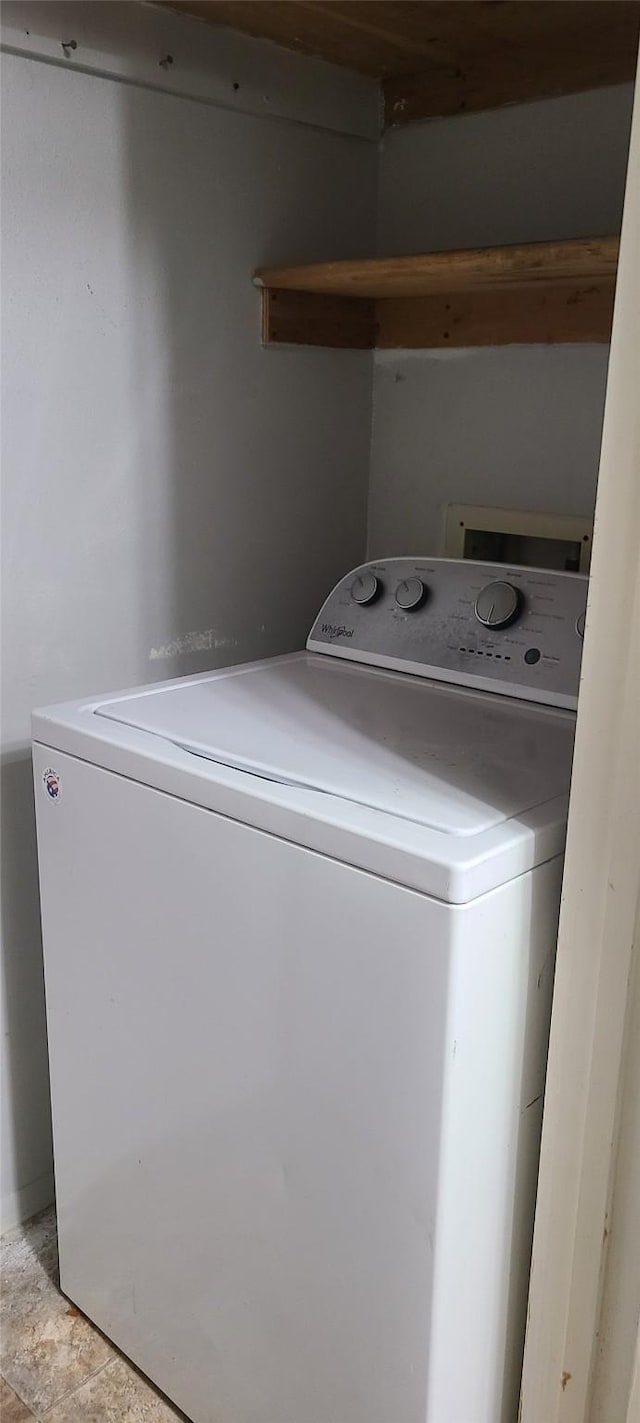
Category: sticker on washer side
<point>52,784</point>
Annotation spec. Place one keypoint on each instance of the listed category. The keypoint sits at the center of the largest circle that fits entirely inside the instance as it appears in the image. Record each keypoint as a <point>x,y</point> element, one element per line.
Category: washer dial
<point>365,588</point>
<point>498,604</point>
<point>410,593</point>
<point>580,625</point>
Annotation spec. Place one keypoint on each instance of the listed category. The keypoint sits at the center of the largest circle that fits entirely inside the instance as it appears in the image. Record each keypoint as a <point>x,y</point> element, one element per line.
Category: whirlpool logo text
<point>336,630</point>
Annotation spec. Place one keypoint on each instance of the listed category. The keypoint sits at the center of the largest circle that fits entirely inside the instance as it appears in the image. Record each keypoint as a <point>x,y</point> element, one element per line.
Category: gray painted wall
<point>526,173</point>
<point>515,426</point>
<point>174,496</point>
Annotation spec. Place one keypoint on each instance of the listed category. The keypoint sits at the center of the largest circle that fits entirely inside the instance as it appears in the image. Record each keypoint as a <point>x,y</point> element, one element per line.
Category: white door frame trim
<point>600,894</point>
<point>633,1409</point>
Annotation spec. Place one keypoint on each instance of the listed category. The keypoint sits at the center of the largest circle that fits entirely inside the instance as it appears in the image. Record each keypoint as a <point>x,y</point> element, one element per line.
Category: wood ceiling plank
<point>297,26</point>
<point>567,34</point>
<point>575,46</point>
<point>442,57</point>
<point>409,38</point>
<point>584,260</point>
<point>376,37</point>
<point>521,23</point>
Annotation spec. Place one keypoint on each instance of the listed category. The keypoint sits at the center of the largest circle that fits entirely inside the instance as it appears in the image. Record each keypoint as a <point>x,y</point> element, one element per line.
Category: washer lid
<point>455,761</point>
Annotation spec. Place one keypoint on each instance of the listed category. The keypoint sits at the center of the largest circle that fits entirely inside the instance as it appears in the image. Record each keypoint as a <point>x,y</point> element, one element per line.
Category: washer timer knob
<point>364,588</point>
<point>410,594</point>
<point>498,604</point>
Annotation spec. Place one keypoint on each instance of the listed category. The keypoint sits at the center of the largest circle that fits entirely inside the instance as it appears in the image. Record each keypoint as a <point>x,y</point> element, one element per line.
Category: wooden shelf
<point>584,259</point>
<point>540,292</point>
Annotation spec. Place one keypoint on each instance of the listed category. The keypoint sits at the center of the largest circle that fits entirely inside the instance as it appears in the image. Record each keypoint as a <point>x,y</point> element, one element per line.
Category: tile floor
<point>54,1365</point>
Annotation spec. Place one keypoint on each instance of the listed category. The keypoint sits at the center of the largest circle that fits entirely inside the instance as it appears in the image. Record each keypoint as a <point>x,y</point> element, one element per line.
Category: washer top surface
<point>453,760</point>
<point>425,734</point>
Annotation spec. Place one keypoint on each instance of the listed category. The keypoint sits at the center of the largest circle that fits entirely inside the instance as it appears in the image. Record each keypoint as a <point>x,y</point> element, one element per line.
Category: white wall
<point>175,497</point>
<point>515,426</point>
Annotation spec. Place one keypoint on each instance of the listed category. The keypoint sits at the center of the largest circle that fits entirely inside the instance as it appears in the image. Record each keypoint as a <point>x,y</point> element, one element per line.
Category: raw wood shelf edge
<point>542,292</point>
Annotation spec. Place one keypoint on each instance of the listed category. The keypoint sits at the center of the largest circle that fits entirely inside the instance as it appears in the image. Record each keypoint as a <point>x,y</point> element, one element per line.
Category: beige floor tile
<point>116,1395</point>
<point>12,1409</point>
<point>48,1347</point>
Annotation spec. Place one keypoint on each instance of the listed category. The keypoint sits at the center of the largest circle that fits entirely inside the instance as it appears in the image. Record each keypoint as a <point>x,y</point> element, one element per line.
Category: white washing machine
<point>299,933</point>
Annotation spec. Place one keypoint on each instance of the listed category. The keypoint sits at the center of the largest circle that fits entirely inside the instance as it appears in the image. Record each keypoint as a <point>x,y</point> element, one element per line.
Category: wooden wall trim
<point>291,318</point>
<point>514,316</point>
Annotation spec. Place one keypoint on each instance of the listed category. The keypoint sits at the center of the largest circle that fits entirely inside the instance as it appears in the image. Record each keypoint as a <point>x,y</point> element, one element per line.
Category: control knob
<point>364,588</point>
<point>410,593</point>
<point>498,604</point>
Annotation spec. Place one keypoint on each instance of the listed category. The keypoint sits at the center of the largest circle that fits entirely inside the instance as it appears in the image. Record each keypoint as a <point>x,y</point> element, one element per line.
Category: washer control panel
<point>517,631</point>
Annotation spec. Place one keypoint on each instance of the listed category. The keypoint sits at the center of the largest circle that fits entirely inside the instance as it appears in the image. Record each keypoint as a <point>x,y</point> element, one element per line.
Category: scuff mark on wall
<point>209,640</point>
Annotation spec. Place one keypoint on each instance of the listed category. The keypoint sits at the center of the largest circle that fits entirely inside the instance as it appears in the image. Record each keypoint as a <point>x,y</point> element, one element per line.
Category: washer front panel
<point>535,656</point>
<point>334,1074</point>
